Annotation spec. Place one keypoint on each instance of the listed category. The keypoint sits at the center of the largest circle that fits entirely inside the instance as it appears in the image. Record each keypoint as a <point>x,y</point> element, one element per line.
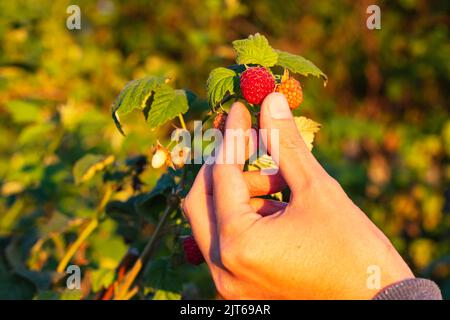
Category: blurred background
<point>385,117</point>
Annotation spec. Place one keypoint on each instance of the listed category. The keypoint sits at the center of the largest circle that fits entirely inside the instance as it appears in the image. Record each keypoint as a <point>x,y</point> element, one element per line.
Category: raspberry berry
<point>256,84</point>
<point>192,253</point>
<point>220,120</point>
<point>292,90</point>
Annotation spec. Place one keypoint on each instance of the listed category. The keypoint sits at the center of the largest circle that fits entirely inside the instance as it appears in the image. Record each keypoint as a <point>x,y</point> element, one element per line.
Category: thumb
<point>285,144</point>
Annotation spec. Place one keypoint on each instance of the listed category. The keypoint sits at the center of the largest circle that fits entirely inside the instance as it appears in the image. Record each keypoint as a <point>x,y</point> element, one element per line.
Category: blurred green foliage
<point>385,135</point>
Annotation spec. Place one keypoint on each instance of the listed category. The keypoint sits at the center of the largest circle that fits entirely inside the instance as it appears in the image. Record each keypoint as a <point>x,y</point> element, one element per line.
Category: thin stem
<point>148,250</point>
<point>106,196</point>
<point>183,124</point>
<point>76,245</point>
<point>139,265</point>
<point>227,98</point>
<point>90,227</point>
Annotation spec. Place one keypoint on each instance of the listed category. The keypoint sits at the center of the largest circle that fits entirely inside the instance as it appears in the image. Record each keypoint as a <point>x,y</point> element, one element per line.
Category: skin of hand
<point>317,246</point>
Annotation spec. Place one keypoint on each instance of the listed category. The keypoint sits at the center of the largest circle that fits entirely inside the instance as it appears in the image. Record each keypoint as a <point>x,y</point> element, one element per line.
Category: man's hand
<point>317,246</point>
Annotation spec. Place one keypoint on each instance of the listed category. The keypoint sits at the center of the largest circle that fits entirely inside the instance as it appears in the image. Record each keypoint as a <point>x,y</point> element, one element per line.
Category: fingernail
<point>278,106</point>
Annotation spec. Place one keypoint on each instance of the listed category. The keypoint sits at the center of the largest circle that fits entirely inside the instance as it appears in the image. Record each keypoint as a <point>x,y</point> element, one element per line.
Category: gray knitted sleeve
<point>410,289</point>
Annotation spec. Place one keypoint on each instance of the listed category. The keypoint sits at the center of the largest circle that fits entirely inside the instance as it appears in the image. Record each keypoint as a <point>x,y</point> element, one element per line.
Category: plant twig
<point>122,289</point>
<point>90,227</point>
<point>183,124</point>
<point>76,245</point>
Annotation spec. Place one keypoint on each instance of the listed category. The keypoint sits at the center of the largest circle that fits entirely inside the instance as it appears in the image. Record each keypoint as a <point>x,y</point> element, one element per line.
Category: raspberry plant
<point>152,222</point>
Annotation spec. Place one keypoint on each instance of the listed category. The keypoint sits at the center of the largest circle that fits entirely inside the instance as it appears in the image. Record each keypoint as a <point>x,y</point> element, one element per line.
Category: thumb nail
<point>278,106</point>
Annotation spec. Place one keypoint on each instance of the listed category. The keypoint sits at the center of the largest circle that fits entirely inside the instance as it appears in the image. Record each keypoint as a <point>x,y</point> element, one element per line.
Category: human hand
<point>317,246</point>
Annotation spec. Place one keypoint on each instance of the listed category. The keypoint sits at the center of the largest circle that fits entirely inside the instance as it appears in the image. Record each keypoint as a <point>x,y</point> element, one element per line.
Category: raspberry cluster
<point>257,82</point>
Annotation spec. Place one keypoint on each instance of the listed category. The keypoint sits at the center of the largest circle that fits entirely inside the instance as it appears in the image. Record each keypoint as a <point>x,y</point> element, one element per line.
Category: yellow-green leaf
<point>307,128</point>
<point>85,168</point>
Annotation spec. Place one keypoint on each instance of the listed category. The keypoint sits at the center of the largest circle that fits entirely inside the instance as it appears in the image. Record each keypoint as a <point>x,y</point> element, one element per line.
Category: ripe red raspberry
<point>192,253</point>
<point>220,120</point>
<point>292,91</point>
<point>256,84</point>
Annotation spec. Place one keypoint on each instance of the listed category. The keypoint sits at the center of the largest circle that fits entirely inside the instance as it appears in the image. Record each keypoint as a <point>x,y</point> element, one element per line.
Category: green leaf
<point>152,203</point>
<point>22,111</point>
<point>134,96</point>
<point>36,135</point>
<point>107,247</point>
<point>220,82</point>
<point>13,286</point>
<point>69,294</point>
<point>161,275</point>
<point>14,254</point>
<point>167,104</point>
<point>166,295</point>
<point>128,221</point>
<point>85,168</point>
<point>300,65</point>
<point>255,50</point>
<point>102,278</point>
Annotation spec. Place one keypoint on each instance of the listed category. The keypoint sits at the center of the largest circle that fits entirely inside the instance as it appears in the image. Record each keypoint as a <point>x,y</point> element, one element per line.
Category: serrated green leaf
<point>255,50</point>
<point>300,65</point>
<point>134,96</point>
<point>167,104</point>
<point>85,168</point>
<point>220,82</point>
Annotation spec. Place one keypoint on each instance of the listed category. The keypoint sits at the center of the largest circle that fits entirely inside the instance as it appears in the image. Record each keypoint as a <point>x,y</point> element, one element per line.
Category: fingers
<point>287,148</point>
<point>231,194</point>
<point>198,204</point>
<point>198,208</point>
<point>260,185</point>
<point>266,207</point>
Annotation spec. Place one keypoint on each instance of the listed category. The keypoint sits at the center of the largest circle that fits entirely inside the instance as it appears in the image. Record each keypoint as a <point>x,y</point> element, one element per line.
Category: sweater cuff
<point>410,289</point>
